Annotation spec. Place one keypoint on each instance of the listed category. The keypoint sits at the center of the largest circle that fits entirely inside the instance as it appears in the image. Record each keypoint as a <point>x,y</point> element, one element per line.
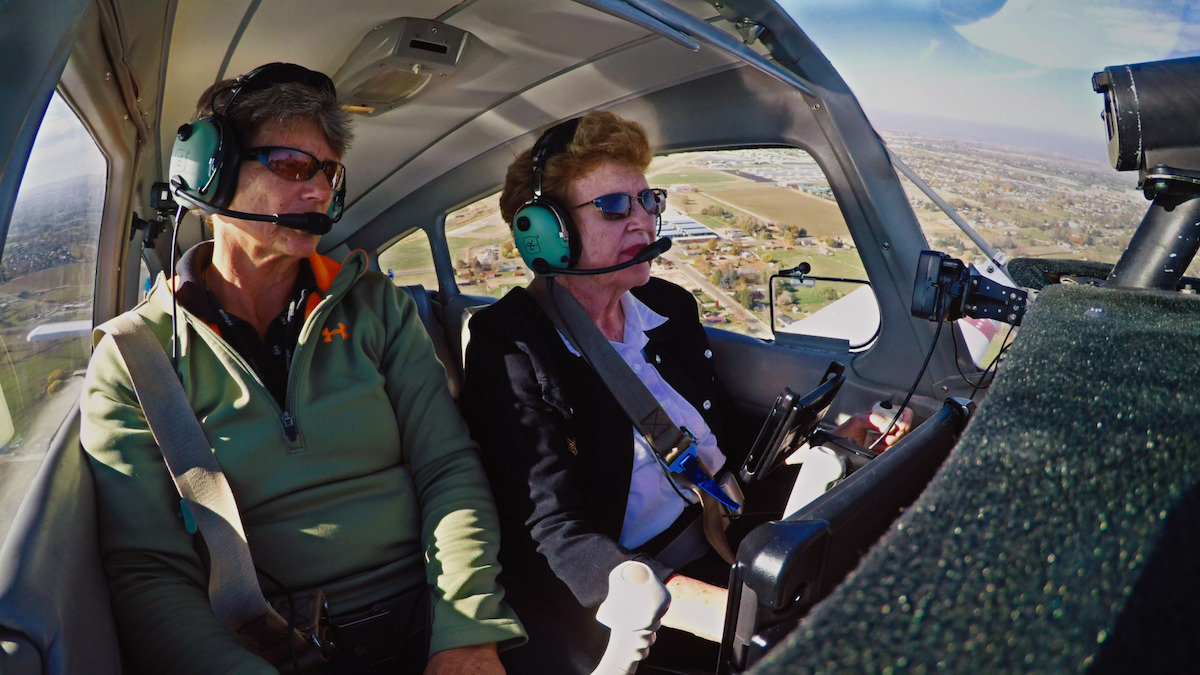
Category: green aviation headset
<point>206,155</point>
<point>542,230</point>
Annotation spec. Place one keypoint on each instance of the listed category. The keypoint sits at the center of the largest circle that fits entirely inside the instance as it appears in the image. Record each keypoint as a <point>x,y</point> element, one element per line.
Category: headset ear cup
<point>196,145</point>
<point>229,161</point>
<point>542,232</point>
<point>205,156</point>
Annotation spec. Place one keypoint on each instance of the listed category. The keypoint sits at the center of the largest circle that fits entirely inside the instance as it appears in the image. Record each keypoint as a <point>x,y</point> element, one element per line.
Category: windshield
<point>991,103</point>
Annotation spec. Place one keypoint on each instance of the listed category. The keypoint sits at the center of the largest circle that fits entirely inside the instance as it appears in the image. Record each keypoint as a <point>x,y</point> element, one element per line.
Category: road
<point>492,220</point>
<point>756,326</point>
<point>743,209</point>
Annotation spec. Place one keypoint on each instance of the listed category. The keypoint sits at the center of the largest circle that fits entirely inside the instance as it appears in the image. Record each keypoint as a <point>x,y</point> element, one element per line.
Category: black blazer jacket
<point>558,450</point>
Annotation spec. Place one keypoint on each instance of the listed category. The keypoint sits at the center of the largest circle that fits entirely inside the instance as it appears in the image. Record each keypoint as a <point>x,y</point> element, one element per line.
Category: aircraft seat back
<point>457,313</point>
<point>431,316</point>
<point>55,614</point>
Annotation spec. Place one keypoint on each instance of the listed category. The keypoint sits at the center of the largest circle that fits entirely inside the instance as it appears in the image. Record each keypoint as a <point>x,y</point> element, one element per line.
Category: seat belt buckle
<point>689,466</point>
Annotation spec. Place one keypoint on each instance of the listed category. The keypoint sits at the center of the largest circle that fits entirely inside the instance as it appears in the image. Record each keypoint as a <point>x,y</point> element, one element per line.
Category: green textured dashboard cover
<point>1063,533</point>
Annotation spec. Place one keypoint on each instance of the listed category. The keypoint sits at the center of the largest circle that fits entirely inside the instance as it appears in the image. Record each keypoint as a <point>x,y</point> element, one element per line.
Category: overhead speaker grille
<point>396,61</point>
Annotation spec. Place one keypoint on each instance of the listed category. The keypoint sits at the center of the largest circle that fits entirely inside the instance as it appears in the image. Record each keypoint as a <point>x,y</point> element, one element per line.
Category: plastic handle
<point>882,414</point>
<point>633,609</point>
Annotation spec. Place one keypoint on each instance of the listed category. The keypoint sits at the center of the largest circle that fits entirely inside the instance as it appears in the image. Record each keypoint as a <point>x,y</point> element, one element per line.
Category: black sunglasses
<point>297,165</point>
<point>618,205</point>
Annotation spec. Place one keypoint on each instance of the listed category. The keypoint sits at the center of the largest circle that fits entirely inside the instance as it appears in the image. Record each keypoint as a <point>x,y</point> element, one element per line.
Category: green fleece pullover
<point>367,485</point>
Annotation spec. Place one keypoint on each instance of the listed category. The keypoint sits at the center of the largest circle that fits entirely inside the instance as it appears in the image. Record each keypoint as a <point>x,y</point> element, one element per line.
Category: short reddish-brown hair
<point>600,136</point>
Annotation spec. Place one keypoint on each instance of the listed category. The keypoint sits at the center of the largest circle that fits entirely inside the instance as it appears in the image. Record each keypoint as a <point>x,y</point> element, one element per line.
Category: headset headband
<point>552,142</point>
<point>272,74</point>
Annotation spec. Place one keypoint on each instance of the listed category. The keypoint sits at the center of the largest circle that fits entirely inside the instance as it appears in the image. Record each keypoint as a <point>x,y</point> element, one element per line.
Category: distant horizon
<point>1048,142</point>
<point>1014,72</point>
<point>62,150</point>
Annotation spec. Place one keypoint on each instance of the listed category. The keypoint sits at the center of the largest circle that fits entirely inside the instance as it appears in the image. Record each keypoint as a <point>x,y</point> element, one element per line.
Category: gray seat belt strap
<point>233,588</point>
<point>667,439</point>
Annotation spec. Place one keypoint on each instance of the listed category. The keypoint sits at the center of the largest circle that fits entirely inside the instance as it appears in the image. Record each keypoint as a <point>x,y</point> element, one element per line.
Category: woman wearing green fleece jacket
<point>319,391</point>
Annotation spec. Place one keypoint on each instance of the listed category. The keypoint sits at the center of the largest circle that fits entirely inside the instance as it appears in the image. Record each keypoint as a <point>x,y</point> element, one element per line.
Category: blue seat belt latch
<point>688,465</point>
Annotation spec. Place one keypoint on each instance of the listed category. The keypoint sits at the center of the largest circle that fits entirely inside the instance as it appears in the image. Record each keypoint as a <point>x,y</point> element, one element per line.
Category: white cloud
<point>857,5</point>
<point>930,52</point>
<point>1071,34</point>
<point>63,149</point>
<point>994,78</point>
<point>1029,65</point>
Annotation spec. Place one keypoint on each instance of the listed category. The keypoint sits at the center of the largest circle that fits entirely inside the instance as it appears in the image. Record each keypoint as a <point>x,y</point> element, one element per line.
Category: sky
<point>63,149</point>
<point>1016,71</point>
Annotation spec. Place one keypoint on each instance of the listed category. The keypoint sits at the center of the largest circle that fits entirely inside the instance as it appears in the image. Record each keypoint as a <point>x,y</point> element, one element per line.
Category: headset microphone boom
<point>650,252</point>
<point>313,223</point>
<point>207,153</point>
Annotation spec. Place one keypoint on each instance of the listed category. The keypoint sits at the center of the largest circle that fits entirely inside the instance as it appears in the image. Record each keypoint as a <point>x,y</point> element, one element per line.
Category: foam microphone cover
<point>313,223</point>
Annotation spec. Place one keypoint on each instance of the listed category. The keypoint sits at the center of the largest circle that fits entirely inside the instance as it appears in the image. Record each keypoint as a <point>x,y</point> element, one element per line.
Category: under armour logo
<point>341,330</point>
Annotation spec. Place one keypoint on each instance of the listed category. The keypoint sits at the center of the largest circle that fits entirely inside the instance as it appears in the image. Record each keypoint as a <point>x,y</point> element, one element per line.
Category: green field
<point>412,252</point>
<point>843,263</point>
<point>24,369</point>
<point>820,217</point>
<point>808,299</point>
<point>75,274</point>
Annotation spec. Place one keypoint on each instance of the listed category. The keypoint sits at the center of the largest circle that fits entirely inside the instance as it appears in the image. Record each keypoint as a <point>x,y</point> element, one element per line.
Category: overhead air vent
<point>396,61</point>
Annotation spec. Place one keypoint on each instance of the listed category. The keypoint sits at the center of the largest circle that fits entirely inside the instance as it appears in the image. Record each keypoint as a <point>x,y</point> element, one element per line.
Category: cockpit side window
<point>409,261</point>
<point>47,278</point>
<point>486,262</point>
<point>481,251</point>
<point>736,218</point>
<point>739,221</point>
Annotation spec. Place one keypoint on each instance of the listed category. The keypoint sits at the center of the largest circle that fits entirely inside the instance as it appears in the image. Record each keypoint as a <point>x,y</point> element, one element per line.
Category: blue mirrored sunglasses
<point>619,205</point>
<point>297,165</point>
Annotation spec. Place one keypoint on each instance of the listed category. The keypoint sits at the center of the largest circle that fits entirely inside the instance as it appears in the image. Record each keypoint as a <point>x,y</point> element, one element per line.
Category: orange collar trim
<point>324,269</point>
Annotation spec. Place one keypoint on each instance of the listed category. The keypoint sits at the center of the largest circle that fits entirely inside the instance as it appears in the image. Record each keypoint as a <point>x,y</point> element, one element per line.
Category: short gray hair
<point>284,103</point>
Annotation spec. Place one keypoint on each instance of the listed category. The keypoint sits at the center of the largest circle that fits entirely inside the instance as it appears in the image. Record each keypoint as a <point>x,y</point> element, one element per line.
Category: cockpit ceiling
<point>526,63</point>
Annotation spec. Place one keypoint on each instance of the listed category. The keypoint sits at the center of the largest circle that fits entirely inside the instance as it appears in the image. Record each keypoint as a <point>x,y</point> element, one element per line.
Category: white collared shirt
<point>653,503</point>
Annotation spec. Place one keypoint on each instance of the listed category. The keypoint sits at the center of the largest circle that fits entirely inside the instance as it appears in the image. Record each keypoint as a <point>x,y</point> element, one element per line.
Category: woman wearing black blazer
<point>577,489</point>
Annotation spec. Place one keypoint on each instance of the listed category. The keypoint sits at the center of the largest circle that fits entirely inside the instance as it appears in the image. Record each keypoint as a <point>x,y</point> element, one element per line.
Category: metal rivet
<point>657,358</point>
<point>708,353</point>
<point>887,245</point>
<point>707,405</point>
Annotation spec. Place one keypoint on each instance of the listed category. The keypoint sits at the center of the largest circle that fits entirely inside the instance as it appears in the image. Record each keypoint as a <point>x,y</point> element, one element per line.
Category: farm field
<point>771,203</point>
